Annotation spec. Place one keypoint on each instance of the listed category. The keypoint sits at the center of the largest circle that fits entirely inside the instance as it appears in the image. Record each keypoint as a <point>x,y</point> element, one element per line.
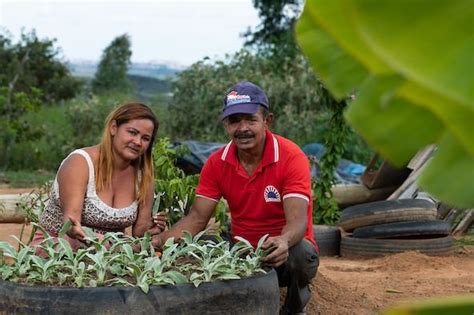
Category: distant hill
<point>87,68</point>
<point>146,87</point>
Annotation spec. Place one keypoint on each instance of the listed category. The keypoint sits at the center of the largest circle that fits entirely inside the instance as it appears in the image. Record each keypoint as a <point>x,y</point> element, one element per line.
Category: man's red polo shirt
<point>256,202</point>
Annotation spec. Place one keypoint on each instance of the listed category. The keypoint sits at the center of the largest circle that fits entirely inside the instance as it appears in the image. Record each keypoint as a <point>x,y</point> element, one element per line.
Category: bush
<point>296,96</point>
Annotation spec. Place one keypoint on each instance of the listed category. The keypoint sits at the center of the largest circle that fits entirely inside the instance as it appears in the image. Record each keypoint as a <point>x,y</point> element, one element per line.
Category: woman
<point>110,186</point>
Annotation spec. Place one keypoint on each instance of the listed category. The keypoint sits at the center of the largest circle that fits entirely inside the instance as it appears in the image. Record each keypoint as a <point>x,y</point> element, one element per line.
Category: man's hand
<point>157,242</point>
<point>279,254</point>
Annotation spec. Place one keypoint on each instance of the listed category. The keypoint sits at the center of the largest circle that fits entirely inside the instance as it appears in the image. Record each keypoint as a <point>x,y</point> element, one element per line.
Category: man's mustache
<point>243,135</point>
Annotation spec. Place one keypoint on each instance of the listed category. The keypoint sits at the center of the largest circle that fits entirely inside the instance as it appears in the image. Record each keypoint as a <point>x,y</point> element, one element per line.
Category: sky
<point>179,31</point>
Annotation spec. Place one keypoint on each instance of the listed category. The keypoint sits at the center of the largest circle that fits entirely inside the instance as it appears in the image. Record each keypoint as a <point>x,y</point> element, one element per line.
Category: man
<point>266,181</point>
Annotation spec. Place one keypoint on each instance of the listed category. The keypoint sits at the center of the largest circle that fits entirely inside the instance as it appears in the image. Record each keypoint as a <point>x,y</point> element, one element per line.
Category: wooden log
<point>421,157</point>
<point>10,212</point>
<point>443,210</point>
<point>452,215</point>
<point>352,194</point>
<point>406,184</point>
<point>465,223</point>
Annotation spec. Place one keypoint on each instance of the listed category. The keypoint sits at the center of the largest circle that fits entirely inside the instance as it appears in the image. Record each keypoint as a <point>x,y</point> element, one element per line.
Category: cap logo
<point>271,194</point>
<point>234,98</point>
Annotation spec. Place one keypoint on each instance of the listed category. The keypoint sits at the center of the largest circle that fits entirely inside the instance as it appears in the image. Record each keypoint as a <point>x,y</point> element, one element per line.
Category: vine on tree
<point>325,208</point>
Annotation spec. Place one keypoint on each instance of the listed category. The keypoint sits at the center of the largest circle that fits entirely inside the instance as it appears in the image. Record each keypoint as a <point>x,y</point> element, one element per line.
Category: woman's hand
<point>76,231</point>
<point>159,221</point>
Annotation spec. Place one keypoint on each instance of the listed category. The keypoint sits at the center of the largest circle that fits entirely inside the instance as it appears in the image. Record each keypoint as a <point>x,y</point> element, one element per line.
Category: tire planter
<point>408,229</point>
<point>255,295</point>
<point>328,239</point>
<point>387,211</point>
<point>368,247</point>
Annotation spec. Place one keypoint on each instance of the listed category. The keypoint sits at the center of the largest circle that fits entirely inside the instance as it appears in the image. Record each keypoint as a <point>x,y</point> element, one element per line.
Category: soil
<point>367,286</point>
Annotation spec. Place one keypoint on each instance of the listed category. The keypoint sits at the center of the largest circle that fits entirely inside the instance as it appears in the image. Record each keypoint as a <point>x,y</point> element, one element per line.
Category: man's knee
<point>303,260</point>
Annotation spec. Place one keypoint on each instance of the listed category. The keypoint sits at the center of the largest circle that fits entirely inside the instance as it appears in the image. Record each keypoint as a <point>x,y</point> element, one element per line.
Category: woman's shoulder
<point>93,152</point>
<point>78,159</point>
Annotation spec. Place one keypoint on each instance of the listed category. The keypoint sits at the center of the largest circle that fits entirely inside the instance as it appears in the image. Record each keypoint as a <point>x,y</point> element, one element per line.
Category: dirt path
<point>346,286</point>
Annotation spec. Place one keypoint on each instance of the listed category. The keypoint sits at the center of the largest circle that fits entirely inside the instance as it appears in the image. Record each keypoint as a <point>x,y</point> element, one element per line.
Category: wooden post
<point>10,212</point>
<point>465,222</point>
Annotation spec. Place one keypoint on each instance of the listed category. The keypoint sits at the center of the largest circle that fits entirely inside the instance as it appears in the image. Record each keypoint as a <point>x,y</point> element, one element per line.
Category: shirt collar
<point>271,152</point>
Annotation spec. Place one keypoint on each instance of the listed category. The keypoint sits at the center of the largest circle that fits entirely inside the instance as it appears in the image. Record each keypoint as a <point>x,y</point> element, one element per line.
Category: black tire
<point>407,229</point>
<point>328,239</point>
<point>255,295</point>
<point>369,247</point>
<point>387,211</point>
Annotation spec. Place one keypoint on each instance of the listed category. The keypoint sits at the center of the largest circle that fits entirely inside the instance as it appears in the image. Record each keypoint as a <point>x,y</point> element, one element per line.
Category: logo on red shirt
<point>271,194</point>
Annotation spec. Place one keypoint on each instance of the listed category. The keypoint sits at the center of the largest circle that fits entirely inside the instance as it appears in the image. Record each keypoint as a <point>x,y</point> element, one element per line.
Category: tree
<point>35,63</point>
<point>31,74</point>
<point>112,71</point>
<point>275,34</point>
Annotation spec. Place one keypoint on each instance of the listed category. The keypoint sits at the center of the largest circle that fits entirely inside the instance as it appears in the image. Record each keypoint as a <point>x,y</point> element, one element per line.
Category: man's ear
<point>269,120</point>
<point>113,128</point>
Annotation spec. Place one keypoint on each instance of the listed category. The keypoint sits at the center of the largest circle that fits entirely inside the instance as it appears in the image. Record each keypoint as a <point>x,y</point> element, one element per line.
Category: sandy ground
<point>367,286</point>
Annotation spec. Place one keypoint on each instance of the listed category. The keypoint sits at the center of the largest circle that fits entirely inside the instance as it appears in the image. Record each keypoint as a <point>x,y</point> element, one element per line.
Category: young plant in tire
<point>21,261</point>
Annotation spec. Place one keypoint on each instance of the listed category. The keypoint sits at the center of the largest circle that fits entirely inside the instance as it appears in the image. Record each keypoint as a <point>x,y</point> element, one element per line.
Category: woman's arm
<point>144,220</point>
<point>72,177</point>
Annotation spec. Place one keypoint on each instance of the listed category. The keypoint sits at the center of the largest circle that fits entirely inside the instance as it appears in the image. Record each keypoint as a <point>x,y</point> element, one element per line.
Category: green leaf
<point>460,304</point>
<point>65,228</point>
<point>393,291</point>
<point>448,176</point>
<point>177,277</point>
<point>40,262</point>
<point>341,73</point>
<point>187,237</point>
<point>229,276</point>
<point>405,36</point>
<point>7,249</point>
<point>90,233</point>
<point>144,286</point>
<point>392,124</point>
<point>411,92</point>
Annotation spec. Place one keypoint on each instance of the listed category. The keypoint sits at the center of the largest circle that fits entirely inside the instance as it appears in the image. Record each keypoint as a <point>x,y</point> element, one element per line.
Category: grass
<point>25,179</point>
<point>465,240</point>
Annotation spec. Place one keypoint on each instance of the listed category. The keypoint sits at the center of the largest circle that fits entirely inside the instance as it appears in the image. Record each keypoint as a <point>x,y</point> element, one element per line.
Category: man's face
<point>247,130</point>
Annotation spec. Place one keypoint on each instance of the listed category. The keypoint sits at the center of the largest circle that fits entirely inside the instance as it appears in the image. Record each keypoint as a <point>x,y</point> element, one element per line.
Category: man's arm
<point>196,221</point>
<point>292,233</point>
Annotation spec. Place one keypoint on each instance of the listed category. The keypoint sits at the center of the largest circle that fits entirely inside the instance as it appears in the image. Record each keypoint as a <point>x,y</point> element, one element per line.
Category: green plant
<point>174,190</point>
<point>463,304</point>
<point>117,259</point>
<point>13,107</point>
<point>296,96</point>
<point>325,209</point>
<point>407,95</point>
<point>35,64</point>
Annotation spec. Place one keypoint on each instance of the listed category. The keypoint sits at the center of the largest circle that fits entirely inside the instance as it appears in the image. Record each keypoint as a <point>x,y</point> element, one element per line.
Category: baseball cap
<point>244,98</point>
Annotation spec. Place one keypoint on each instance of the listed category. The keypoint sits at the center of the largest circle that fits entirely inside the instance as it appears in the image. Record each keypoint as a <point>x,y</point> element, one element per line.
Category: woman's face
<point>132,139</point>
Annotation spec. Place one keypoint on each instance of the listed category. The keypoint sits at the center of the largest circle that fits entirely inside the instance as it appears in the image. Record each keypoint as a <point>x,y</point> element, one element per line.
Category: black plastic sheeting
<point>192,163</point>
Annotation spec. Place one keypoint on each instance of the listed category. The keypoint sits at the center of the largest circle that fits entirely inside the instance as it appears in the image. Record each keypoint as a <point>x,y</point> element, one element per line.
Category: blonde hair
<point>143,165</point>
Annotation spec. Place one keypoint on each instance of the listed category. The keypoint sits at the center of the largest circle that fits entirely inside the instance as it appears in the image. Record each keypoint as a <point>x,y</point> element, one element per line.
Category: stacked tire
<point>328,239</point>
<point>393,226</point>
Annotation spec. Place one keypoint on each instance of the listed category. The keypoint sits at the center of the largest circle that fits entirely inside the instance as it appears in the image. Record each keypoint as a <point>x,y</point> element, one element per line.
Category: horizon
<point>170,32</point>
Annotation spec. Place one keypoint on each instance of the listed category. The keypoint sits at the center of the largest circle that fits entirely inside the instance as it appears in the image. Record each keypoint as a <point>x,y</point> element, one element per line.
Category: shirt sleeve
<point>208,186</point>
<point>297,182</point>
